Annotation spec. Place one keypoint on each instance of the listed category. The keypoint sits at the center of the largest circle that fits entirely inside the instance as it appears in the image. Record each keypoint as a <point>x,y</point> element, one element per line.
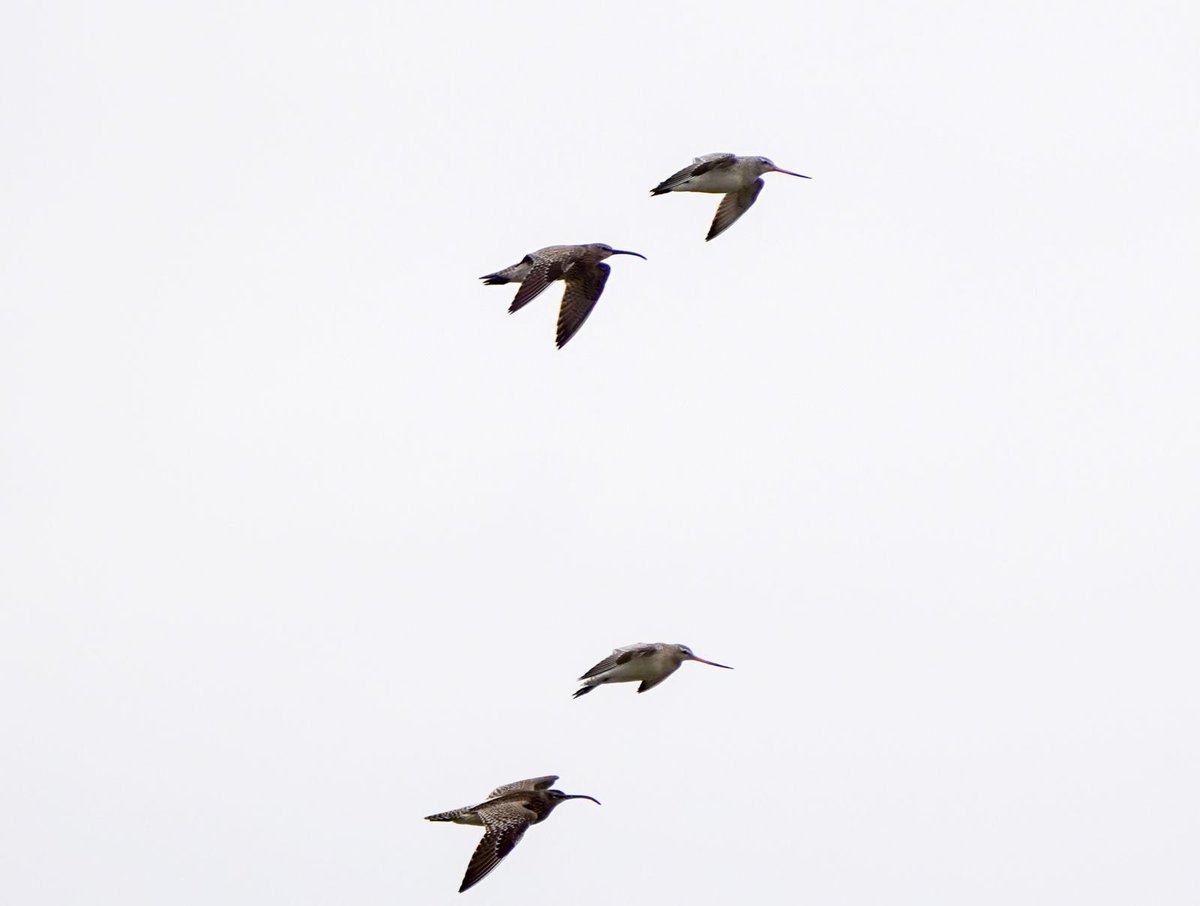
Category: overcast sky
<point>306,538</point>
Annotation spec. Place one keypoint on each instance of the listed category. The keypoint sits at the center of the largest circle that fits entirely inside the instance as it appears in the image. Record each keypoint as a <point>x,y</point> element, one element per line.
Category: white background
<point>306,538</point>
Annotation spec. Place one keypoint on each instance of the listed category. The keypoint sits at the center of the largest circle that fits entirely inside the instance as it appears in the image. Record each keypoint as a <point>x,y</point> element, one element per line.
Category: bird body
<point>506,814</point>
<point>579,266</point>
<point>737,178</point>
<point>647,663</point>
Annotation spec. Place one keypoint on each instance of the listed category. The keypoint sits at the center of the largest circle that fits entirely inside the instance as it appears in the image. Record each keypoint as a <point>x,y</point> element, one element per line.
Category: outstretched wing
<point>623,656</point>
<point>733,206</point>
<point>698,167</point>
<point>506,824</point>
<point>533,783</point>
<point>541,275</point>
<point>584,286</point>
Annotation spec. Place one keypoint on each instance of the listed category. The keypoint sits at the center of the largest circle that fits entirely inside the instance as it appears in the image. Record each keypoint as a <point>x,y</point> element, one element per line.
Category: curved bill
<point>582,796</point>
<point>619,252</point>
<point>790,173</point>
<point>710,663</point>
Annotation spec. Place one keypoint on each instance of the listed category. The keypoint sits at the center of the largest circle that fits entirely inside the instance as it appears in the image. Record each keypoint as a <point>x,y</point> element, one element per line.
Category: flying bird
<point>579,266</point>
<point>647,662</point>
<point>737,178</point>
<point>505,816</point>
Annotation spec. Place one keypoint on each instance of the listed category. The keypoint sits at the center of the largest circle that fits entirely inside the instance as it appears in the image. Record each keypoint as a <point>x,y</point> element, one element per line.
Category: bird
<point>506,814</point>
<point>647,662</point>
<point>737,178</point>
<point>578,265</point>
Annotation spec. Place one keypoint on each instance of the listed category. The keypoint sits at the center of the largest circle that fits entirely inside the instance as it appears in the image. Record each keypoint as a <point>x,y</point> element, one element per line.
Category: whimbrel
<point>506,814</point>
<point>737,178</point>
<point>648,662</point>
<point>578,265</point>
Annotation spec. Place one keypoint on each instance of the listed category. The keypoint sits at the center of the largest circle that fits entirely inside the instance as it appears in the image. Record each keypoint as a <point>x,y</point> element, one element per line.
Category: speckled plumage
<point>579,266</point>
<point>506,814</point>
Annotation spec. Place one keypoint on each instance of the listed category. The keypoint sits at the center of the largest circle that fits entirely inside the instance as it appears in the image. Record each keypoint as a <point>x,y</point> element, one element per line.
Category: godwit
<point>647,662</point>
<point>578,265</point>
<point>506,814</point>
<point>737,178</point>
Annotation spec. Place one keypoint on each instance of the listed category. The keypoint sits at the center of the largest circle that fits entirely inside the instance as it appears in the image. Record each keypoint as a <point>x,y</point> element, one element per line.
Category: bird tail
<point>494,280</point>
<point>584,691</point>
<point>446,816</point>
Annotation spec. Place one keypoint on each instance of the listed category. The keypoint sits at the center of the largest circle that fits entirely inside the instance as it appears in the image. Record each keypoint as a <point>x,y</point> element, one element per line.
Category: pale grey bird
<point>506,814</point>
<point>737,178</point>
<point>578,265</point>
<point>647,662</point>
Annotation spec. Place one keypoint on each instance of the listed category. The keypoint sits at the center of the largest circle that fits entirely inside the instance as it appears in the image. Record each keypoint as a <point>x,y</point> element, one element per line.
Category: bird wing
<point>584,286</point>
<point>622,656</point>
<point>647,685</point>
<point>505,825</point>
<point>733,206</point>
<point>699,166</point>
<point>533,783</point>
<point>716,161</point>
<point>541,275</point>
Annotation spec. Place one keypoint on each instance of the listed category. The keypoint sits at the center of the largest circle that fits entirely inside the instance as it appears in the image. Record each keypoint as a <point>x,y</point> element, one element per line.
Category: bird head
<point>766,165</point>
<point>557,796</point>
<point>685,653</point>
<point>604,251</point>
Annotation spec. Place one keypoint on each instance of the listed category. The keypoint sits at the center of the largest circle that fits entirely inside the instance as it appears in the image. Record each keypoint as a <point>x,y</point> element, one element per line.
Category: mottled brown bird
<point>579,266</point>
<point>506,814</point>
